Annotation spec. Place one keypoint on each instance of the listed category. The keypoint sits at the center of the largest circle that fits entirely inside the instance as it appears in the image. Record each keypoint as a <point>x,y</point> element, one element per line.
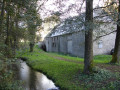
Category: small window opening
<point>100,44</point>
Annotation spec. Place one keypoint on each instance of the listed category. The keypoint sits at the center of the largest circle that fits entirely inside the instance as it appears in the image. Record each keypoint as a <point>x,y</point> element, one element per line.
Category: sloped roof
<point>75,24</point>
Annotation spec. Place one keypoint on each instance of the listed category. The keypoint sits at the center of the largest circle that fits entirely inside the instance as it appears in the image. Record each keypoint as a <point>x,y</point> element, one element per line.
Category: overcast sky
<point>68,8</point>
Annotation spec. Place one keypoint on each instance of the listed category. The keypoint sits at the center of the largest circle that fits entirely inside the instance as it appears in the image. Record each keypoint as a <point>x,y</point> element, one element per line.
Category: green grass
<point>102,58</point>
<point>61,72</point>
<point>67,75</point>
<point>97,58</point>
<point>67,56</point>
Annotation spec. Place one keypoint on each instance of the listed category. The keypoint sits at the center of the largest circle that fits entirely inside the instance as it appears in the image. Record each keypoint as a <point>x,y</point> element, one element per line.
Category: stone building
<point>69,36</point>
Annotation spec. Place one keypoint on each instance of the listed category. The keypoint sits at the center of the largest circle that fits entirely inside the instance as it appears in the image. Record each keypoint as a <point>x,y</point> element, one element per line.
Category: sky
<point>68,8</point>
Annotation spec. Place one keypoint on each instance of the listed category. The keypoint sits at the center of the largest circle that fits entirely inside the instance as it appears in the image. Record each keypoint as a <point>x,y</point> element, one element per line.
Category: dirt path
<point>113,68</point>
<point>64,59</point>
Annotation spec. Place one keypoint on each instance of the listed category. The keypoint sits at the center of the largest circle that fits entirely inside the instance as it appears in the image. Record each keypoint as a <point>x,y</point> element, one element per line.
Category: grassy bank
<point>66,71</point>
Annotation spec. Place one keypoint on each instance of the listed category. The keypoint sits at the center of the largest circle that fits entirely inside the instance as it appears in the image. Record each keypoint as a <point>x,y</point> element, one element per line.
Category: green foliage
<point>19,20</point>
<point>102,80</point>
<point>7,76</point>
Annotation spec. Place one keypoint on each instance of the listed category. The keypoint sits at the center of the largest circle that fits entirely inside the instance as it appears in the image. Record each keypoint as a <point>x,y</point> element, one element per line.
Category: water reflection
<point>34,80</point>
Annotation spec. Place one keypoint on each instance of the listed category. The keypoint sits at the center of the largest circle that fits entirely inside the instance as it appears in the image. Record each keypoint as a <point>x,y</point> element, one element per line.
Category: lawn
<point>66,71</point>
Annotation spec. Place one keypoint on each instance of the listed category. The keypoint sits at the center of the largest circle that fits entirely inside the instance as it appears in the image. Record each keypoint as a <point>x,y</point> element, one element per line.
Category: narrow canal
<point>33,80</point>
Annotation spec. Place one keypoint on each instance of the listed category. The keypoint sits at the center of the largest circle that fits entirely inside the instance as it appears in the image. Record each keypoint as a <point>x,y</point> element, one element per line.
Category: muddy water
<point>33,80</point>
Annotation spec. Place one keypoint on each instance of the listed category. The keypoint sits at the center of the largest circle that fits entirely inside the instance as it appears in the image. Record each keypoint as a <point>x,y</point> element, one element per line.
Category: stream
<point>34,80</point>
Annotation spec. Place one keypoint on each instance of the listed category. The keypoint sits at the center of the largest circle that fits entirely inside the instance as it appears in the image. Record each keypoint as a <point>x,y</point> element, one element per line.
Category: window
<point>53,39</point>
<point>100,44</point>
<point>57,38</point>
<point>53,44</point>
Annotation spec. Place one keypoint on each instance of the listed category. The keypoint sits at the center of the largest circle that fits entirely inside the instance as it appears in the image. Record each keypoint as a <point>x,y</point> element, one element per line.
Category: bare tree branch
<point>105,6</point>
<point>104,35</point>
<point>41,5</point>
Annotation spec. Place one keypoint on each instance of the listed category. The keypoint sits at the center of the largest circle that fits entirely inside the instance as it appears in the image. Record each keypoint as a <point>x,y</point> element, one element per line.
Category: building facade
<point>69,36</point>
<point>74,43</point>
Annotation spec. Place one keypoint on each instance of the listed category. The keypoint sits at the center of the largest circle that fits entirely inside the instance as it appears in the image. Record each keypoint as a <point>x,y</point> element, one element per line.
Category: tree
<point>111,7</point>
<point>88,56</point>
<point>2,16</point>
<point>12,16</point>
<point>32,22</point>
<point>116,54</point>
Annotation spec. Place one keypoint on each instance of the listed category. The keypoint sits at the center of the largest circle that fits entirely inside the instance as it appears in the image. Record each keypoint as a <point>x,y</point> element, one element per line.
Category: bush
<point>7,80</point>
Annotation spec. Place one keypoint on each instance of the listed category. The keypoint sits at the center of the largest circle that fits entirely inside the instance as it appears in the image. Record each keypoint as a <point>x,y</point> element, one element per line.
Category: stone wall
<point>78,44</point>
<point>104,45</point>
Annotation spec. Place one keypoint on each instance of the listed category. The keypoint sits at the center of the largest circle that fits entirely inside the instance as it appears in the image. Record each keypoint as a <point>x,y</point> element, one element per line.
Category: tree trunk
<point>31,47</point>
<point>15,45</point>
<point>15,37</point>
<point>116,54</point>
<point>31,37</point>
<point>7,41</point>
<point>2,16</point>
<point>88,56</point>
